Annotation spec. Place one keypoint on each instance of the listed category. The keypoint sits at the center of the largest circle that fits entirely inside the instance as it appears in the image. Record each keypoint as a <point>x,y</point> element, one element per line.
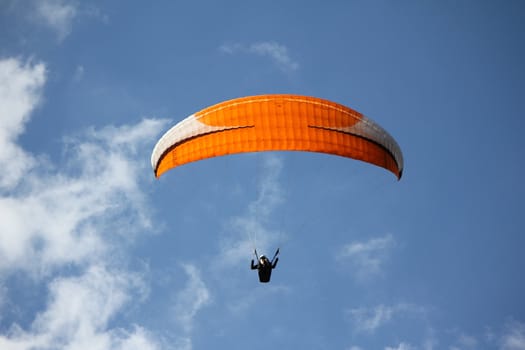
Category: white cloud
<point>20,93</point>
<point>511,337</point>
<point>514,336</point>
<point>429,343</point>
<point>79,73</point>
<point>79,313</point>
<point>66,214</point>
<point>71,214</point>
<point>191,299</point>
<point>270,192</point>
<point>278,53</point>
<point>57,14</point>
<point>401,346</point>
<point>367,258</point>
<point>91,11</point>
<point>466,341</point>
<point>53,216</point>
<point>368,320</point>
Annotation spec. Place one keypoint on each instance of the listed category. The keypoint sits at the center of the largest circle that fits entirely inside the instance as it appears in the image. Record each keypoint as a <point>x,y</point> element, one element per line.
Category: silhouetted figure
<point>265,266</point>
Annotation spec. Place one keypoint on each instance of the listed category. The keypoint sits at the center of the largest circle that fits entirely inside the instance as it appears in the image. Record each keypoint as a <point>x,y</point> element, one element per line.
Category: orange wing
<point>273,123</point>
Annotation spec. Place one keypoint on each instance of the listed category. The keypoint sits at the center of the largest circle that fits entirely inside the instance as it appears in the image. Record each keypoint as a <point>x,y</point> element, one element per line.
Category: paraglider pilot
<point>265,266</point>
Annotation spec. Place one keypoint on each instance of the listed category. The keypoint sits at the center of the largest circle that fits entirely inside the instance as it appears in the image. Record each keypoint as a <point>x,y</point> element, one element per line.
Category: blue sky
<point>95,253</point>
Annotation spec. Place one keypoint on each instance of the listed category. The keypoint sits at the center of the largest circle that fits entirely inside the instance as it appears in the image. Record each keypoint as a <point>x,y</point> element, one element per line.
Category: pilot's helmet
<point>263,258</point>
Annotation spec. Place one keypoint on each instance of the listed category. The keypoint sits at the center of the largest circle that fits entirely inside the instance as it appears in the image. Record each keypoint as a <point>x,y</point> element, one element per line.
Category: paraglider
<point>265,266</point>
<point>275,123</point>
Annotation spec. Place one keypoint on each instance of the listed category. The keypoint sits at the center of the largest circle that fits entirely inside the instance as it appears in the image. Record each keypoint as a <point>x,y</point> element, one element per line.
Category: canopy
<point>273,123</point>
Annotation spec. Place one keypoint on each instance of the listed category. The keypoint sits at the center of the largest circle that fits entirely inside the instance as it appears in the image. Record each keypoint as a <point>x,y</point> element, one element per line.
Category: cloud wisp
<point>77,209</point>
<point>277,53</point>
<point>191,299</point>
<point>74,216</point>
<point>368,320</point>
<point>58,15</point>
<point>367,258</point>
<point>20,93</point>
<point>79,312</point>
<point>61,214</point>
<point>401,346</point>
<point>513,337</point>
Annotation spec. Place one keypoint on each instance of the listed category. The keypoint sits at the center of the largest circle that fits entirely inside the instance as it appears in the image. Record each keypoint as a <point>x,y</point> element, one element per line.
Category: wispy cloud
<point>191,299</point>
<point>368,320</point>
<point>79,73</point>
<point>367,258</point>
<point>76,210</point>
<point>513,336</point>
<point>78,314</point>
<point>277,53</point>
<point>509,336</point>
<point>57,15</point>
<point>70,215</point>
<point>52,215</point>
<point>465,342</point>
<point>401,346</point>
<point>20,93</point>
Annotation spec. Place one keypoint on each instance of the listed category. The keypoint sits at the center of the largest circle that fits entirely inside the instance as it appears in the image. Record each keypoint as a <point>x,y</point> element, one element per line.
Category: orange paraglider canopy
<point>273,123</point>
